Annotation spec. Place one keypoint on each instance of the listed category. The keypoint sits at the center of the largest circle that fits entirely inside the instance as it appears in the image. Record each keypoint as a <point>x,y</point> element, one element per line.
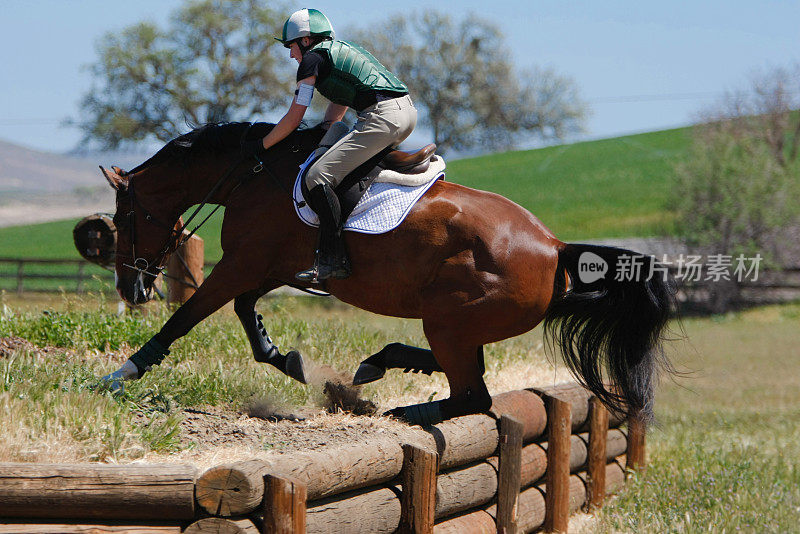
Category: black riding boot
<point>331,259</point>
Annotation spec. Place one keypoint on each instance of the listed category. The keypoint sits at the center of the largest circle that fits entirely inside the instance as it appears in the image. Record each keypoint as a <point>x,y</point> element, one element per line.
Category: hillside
<point>607,188</point>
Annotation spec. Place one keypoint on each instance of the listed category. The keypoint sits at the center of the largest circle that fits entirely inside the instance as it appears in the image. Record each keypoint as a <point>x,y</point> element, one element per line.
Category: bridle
<point>177,237</point>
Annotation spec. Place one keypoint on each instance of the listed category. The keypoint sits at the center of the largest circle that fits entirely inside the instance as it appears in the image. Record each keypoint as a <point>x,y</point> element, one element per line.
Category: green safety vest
<point>354,71</point>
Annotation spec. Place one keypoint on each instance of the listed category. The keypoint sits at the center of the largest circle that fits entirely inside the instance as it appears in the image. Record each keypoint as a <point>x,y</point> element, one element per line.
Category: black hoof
<point>368,373</point>
<point>426,414</point>
<point>397,413</point>
<point>295,367</point>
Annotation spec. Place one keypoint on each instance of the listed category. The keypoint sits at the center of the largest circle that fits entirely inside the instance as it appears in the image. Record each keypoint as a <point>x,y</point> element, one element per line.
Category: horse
<point>475,267</point>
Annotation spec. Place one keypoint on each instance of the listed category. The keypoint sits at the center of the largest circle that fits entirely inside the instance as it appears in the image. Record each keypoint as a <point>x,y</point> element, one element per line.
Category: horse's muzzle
<point>138,292</point>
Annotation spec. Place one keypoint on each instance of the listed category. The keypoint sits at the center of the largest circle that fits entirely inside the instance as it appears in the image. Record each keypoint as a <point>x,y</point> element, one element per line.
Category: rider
<point>350,77</point>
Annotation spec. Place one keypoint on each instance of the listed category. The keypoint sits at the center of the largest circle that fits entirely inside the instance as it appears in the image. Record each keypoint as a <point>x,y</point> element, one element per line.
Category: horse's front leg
<point>223,284</point>
<point>264,350</point>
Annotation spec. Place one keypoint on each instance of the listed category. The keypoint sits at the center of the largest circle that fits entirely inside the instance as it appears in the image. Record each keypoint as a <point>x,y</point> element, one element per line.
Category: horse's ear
<point>119,171</point>
<point>117,182</point>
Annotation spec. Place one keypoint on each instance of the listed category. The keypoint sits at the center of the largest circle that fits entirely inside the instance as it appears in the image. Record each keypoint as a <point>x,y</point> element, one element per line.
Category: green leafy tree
<point>737,191</point>
<point>461,77</point>
<point>215,62</point>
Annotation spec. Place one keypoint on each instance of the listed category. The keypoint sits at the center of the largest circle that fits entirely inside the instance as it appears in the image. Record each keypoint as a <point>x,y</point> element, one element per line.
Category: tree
<point>461,79</point>
<point>736,193</point>
<point>216,62</point>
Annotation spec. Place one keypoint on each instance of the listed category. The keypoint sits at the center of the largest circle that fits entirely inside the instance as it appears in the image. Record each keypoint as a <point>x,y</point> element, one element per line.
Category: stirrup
<point>320,271</point>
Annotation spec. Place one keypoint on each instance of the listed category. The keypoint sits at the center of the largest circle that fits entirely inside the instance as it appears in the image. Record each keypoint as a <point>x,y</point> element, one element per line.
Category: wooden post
<point>284,505</point>
<point>636,444</point>
<point>596,468</point>
<point>418,500</point>
<point>81,268</point>
<point>20,276</point>
<point>559,447</point>
<point>185,265</point>
<point>509,474</point>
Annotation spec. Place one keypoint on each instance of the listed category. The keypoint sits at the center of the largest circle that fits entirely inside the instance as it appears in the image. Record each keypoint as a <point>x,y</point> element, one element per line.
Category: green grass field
<point>723,458</point>
<point>608,188</point>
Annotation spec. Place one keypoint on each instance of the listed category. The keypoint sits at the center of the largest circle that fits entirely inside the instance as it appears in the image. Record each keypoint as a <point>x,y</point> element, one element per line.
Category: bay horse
<point>475,267</point>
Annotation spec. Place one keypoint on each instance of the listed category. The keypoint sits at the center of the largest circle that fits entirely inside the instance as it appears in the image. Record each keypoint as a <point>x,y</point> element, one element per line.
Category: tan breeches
<point>379,126</point>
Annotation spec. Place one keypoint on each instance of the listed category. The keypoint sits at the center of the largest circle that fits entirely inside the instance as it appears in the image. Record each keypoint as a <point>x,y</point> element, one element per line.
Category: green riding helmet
<point>306,23</point>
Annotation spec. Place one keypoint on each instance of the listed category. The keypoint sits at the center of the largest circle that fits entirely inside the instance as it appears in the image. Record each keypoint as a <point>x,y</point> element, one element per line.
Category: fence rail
<point>537,456</point>
<point>50,275</point>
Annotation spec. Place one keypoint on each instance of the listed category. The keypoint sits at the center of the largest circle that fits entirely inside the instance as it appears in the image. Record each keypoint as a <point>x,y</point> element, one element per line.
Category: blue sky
<point>641,65</point>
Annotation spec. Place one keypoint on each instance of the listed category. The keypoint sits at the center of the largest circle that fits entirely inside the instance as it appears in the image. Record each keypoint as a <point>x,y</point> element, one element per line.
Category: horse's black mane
<point>211,138</point>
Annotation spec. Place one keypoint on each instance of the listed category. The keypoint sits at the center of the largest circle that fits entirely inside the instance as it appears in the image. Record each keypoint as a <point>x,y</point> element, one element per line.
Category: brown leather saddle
<point>355,184</point>
<point>409,162</point>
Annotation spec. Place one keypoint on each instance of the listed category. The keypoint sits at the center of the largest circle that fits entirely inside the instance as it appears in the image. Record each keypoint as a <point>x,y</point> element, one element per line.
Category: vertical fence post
<point>509,474</point>
<point>284,505</point>
<point>636,444</point>
<point>81,268</point>
<point>20,276</point>
<point>559,447</point>
<point>596,468</point>
<point>185,267</point>
<point>418,500</point>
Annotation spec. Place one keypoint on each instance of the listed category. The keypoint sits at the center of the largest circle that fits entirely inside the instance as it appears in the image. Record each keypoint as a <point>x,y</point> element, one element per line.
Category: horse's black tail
<point>609,325</point>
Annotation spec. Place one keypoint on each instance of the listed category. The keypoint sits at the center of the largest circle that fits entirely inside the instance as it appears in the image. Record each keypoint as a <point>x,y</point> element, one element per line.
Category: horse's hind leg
<point>462,363</point>
<point>395,356</point>
<point>264,350</point>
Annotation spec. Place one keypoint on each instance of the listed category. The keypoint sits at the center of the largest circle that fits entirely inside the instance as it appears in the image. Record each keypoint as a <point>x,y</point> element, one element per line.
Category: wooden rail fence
<point>540,455</point>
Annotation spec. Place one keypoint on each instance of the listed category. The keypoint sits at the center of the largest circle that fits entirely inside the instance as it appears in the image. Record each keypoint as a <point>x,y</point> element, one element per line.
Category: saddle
<point>409,162</point>
<point>355,184</point>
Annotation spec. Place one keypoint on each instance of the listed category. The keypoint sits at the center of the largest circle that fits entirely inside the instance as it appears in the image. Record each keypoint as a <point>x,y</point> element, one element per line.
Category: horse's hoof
<point>397,413</point>
<point>426,414</point>
<point>295,367</point>
<point>112,384</point>
<point>368,373</point>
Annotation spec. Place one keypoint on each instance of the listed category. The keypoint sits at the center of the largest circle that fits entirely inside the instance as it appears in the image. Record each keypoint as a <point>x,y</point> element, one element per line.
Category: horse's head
<point>144,240</point>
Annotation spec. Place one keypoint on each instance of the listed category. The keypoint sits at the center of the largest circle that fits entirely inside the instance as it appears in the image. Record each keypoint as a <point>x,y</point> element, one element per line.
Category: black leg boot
<point>331,259</point>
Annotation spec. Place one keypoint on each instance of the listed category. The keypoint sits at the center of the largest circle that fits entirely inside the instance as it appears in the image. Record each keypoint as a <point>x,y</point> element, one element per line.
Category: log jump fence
<point>540,455</point>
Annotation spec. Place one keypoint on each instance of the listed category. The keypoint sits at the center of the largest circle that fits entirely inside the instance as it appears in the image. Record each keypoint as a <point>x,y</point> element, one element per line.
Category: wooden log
<point>185,267</point>
<point>577,453</point>
<point>478,522</point>
<point>596,463</point>
<point>284,505</point>
<point>531,509</point>
<point>222,525</point>
<point>573,393</point>
<point>89,491</point>
<point>636,444</point>
<point>559,423</point>
<point>418,501</point>
<point>364,510</point>
<point>36,526</point>
<point>238,488</point>
<point>579,398</point>
<point>524,406</point>
<point>464,440</point>
<point>232,489</point>
<point>615,477</point>
<point>509,473</point>
<point>616,443</point>
<point>345,467</point>
<point>577,494</point>
<point>464,488</point>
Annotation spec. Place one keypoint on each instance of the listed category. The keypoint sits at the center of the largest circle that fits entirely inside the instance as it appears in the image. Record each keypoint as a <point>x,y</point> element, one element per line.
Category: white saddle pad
<point>384,205</point>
